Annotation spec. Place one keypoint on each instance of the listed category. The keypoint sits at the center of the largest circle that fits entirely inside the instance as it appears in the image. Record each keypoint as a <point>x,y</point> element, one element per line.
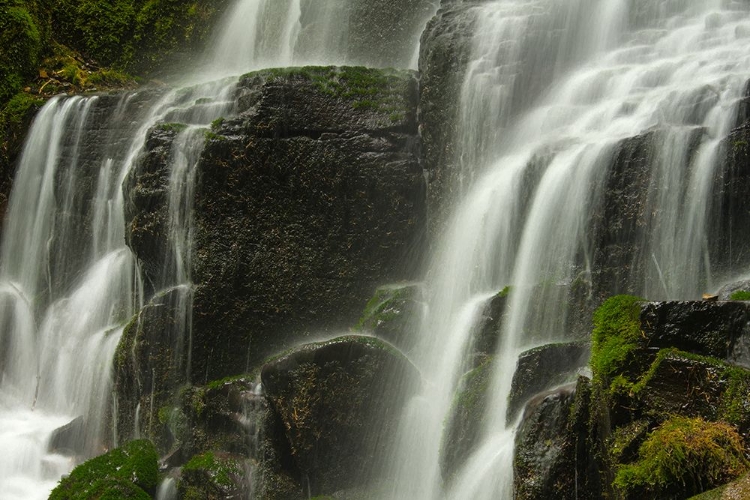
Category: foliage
<point>107,476</point>
<point>740,295</point>
<point>22,46</point>
<point>683,457</point>
<point>616,335</point>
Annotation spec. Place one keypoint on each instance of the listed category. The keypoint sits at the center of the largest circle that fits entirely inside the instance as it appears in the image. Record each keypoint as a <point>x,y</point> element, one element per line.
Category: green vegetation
<point>220,470</point>
<point>22,47</point>
<point>683,457</point>
<point>616,336</point>
<point>740,295</point>
<point>504,292</point>
<point>172,127</point>
<point>127,472</point>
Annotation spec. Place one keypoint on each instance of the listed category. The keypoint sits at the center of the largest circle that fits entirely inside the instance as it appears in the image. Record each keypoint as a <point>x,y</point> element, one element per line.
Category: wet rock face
<point>305,202</point>
<point>701,327</point>
<point>543,368</point>
<point>331,399</point>
<point>729,242</point>
<point>545,448</point>
<point>444,54</point>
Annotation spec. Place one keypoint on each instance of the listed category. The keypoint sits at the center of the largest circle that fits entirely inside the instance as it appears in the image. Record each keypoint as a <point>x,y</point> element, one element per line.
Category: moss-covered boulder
<point>683,457</point>
<point>214,476</point>
<point>22,45</point>
<point>127,472</point>
<point>333,401</point>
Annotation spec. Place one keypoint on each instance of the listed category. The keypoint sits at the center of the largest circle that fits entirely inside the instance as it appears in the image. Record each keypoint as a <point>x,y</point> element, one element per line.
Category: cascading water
<point>553,89</point>
<point>68,282</point>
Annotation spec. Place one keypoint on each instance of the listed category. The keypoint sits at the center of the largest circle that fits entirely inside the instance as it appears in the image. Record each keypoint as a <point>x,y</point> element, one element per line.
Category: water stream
<point>552,90</point>
<point>68,282</point>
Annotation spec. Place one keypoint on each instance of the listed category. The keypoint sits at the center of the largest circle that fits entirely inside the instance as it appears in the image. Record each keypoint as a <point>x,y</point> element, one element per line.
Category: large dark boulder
<point>306,200</point>
<point>701,327</point>
<point>333,401</point>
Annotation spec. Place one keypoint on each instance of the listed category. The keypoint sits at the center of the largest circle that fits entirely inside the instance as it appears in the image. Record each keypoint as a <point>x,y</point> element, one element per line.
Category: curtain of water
<point>553,89</point>
<point>67,281</point>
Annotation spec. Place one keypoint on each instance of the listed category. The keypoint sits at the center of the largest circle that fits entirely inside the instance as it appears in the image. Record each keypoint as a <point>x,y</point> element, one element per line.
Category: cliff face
<point>305,201</point>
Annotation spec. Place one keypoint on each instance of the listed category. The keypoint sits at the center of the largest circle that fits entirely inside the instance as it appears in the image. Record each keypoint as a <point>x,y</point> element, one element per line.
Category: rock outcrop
<point>306,200</point>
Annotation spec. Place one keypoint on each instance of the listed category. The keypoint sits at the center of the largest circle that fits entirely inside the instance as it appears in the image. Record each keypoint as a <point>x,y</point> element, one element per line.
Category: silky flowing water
<point>552,89</point>
<point>68,282</point>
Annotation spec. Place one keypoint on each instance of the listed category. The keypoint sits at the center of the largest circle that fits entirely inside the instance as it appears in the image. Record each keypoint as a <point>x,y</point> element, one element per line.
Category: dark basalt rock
<point>214,476</point>
<point>332,402</point>
<point>543,368</point>
<point>546,448</point>
<point>701,327</point>
<point>729,237</point>
<point>307,200</point>
<point>68,439</point>
<point>685,386</point>
<point>488,334</point>
<point>150,365</point>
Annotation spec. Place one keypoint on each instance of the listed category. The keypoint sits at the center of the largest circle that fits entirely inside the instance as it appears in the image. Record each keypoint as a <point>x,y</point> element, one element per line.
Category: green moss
<point>683,457</point>
<point>384,306</point>
<point>216,124</point>
<point>220,470</point>
<point>616,335</point>
<point>105,476</point>
<point>172,127</point>
<point>470,400</point>
<point>740,295</point>
<point>22,46</point>
<point>504,292</point>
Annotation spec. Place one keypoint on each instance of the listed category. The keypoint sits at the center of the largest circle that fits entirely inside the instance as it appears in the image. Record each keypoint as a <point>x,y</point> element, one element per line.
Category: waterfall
<point>69,283</point>
<point>552,90</point>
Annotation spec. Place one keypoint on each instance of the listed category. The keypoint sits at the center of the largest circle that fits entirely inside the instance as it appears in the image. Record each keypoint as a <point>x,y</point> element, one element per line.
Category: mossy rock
<point>213,476</point>
<point>736,490</point>
<point>127,472</point>
<point>681,458</point>
<point>616,337</point>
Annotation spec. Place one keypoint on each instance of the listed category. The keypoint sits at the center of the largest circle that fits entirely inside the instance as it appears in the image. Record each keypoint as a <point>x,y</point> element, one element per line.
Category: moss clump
<point>106,476</point>
<point>683,457</point>
<point>223,472</point>
<point>385,305</point>
<point>616,335</point>
<point>172,127</point>
<point>740,295</point>
<point>21,48</point>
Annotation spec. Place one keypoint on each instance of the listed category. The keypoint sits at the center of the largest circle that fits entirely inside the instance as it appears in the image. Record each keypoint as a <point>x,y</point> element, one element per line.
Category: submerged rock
<point>336,403</point>
<point>68,439</point>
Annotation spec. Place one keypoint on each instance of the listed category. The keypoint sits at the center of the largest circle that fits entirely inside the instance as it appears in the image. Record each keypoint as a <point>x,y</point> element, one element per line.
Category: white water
<point>552,88</point>
<point>68,282</point>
